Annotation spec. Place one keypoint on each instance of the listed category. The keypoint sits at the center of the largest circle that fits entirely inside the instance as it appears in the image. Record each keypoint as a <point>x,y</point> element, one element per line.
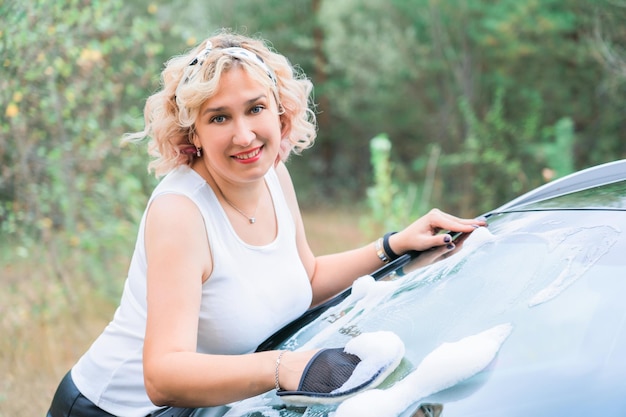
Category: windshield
<point>536,274</point>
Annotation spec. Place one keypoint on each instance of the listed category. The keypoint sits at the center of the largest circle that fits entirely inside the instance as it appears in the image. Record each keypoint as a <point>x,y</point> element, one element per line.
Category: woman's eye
<point>256,109</point>
<point>218,119</point>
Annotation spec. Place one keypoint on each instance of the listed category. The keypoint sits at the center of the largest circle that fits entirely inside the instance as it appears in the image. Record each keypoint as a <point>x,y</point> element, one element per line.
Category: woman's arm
<point>178,256</point>
<point>330,274</point>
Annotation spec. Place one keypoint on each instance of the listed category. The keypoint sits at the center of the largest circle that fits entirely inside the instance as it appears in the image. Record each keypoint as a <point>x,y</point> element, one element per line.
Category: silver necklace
<point>252,219</point>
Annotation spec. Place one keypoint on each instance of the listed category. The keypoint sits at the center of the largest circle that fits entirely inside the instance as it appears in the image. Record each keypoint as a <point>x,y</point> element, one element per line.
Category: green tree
<point>441,71</point>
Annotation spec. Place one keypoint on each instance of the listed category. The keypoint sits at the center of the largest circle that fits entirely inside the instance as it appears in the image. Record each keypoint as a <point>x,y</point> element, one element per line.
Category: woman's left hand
<point>425,232</point>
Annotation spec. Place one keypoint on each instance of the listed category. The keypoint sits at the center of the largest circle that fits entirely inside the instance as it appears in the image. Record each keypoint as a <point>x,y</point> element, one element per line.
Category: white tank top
<point>252,292</point>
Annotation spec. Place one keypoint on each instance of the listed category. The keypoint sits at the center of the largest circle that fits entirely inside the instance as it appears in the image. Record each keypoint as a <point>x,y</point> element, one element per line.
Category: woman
<point>221,260</point>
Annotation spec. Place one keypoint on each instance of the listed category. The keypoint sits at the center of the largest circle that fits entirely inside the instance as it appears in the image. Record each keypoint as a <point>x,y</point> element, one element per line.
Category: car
<point>527,317</point>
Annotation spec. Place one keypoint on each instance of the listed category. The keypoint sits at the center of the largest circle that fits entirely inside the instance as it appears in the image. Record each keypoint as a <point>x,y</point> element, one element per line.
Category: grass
<point>44,331</point>
<point>43,334</point>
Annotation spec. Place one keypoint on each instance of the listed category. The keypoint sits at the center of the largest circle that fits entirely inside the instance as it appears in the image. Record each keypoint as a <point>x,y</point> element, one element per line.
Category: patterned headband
<point>236,52</point>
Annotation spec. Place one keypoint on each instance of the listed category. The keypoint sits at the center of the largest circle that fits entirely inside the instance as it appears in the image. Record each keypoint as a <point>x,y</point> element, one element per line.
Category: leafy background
<point>470,102</point>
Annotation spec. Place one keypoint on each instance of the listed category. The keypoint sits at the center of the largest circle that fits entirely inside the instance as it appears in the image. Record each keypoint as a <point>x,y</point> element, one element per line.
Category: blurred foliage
<point>482,100</point>
<point>381,194</point>
<point>74,74</point>
<point>392,204</point>
<point>485,80</point>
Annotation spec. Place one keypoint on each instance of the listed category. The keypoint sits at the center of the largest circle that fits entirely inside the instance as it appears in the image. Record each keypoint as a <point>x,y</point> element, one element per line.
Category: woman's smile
<point>248,157</point>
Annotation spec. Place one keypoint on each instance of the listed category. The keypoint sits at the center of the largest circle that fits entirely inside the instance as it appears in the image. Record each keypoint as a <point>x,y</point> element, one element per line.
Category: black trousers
<point>69,402</point>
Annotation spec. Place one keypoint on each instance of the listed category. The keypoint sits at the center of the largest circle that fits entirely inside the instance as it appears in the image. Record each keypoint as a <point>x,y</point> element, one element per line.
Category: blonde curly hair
<point>170,113</point>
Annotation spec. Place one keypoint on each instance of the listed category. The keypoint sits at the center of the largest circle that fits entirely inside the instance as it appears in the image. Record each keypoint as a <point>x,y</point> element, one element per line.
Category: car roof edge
<point>587,178</point>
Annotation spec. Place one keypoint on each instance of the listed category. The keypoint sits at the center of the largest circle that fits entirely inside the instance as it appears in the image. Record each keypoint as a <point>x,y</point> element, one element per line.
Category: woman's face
<point>239,129</point>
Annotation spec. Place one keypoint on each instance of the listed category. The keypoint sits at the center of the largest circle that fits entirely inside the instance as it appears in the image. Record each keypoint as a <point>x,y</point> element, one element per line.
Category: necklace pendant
<point>252,220</point>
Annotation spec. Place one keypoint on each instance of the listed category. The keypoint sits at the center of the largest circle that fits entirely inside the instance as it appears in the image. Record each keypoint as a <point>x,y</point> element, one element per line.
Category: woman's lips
<point>248,157</point>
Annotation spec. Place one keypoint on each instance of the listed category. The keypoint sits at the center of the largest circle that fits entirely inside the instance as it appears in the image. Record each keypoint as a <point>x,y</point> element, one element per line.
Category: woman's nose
<point>243,134</point>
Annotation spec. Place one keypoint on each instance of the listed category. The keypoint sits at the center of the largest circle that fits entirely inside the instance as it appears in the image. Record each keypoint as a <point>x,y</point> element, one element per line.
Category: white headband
<point>236,52</point>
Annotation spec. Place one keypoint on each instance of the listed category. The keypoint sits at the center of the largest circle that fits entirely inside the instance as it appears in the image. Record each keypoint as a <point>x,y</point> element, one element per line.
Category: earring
<point>198,152</point>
